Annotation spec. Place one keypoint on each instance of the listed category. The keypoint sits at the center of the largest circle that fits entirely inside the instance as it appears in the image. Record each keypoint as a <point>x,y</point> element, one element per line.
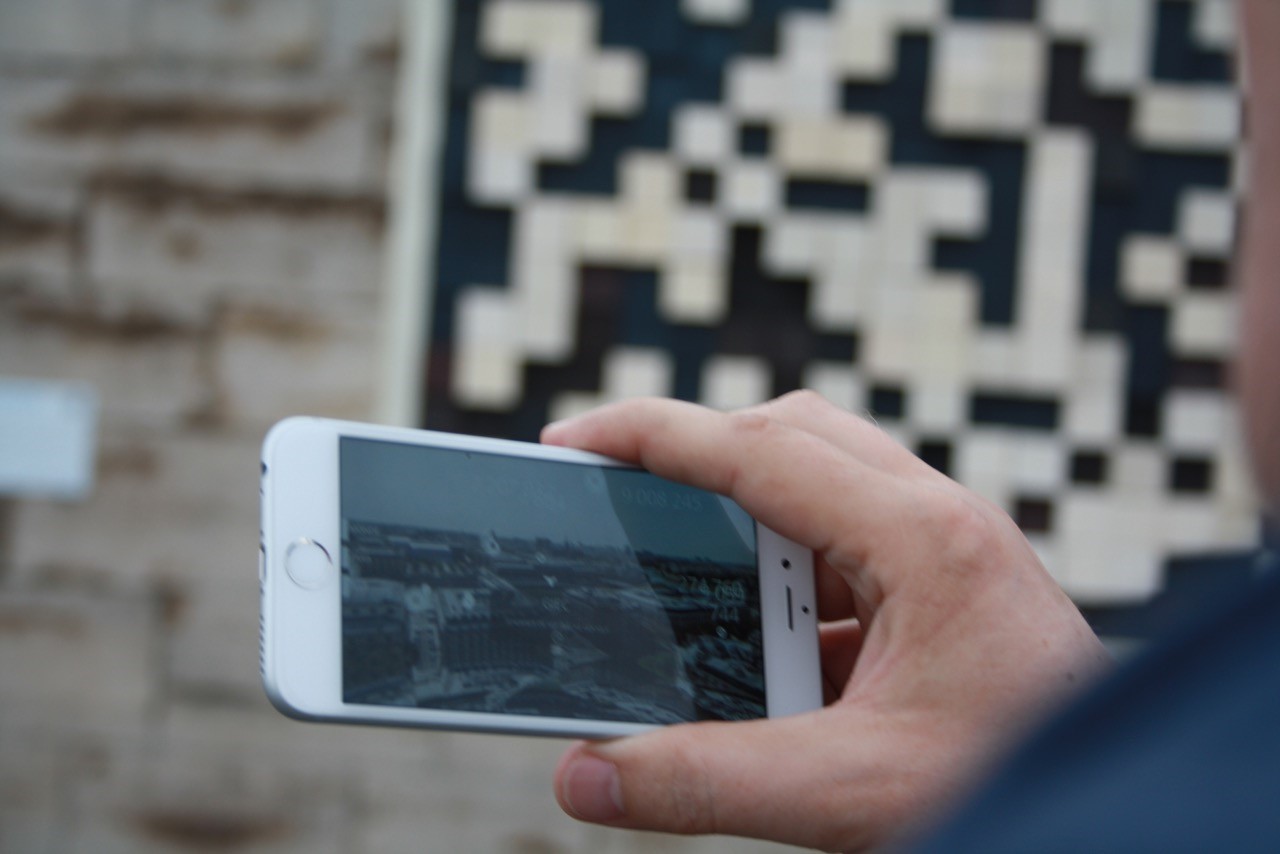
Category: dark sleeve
<point>1179,751</point>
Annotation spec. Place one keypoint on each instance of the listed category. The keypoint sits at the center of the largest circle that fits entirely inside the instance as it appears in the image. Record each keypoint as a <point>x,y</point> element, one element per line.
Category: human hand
<point>943,636</point>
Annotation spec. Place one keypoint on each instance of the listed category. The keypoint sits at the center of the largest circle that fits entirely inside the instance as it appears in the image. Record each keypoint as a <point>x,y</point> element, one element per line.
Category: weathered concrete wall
<point>192,205</point>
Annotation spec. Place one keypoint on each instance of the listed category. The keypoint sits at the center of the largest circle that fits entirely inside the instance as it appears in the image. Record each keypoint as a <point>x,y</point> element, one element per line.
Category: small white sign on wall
<point>48,433</point>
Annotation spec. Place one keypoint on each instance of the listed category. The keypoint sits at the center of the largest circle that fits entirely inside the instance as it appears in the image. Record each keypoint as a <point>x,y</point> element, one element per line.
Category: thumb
<point>753,778</point>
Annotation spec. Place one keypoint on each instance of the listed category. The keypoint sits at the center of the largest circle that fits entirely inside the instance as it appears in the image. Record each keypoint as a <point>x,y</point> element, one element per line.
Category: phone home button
<point>308,563</point>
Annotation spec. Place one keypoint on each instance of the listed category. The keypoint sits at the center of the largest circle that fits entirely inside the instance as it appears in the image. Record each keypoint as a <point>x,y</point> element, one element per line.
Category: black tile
<point>755,139</point>
<point>1016,10</point>
<point>827,195</point>
<point>936,454</point>
<point>887,402</point>
<point>1207,273</point>
<point>1089,467</point>
<point>1198,373</point>
<point>700,186</point>
<point>1190,475</point>
<point>1033,515</point>
<point>1142,417</point>
<point>1014,410</point>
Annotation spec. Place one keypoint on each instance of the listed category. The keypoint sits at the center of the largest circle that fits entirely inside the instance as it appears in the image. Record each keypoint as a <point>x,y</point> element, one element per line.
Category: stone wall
<point>192,208</point>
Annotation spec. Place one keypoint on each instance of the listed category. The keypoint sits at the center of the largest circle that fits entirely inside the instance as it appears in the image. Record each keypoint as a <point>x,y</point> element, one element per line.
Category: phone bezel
<point>301,626</point>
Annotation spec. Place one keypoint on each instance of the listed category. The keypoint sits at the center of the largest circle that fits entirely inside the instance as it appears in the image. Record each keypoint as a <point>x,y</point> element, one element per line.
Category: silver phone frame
<point>301,653</point>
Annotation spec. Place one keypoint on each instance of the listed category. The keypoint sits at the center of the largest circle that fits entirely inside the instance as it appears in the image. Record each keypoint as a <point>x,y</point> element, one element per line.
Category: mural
<point>1002,228</point>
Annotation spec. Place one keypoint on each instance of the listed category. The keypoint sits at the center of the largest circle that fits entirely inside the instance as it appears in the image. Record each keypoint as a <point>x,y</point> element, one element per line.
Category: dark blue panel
<point>1178,58</point>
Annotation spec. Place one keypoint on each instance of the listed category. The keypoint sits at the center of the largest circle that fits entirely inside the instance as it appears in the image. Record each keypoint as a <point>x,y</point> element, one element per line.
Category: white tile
<point>1151,269</point>
<point>956,201</point>
<point>487,372</point>
<point>501,120</point>
<point>597,229</point>
<point>836,300</point>
<point>1138,470</point>
<point>791,245</point>
<point>1111,549</point>
<point>731,382</point>
<point>1195,420</point>
<point>546,309</point>
<point>838,382</point>
<point>526,28</point>
<point>756,89</point>
<point>1094,411</point>
<point>1205,325</point>
<point>987,80</point>
<point>650,180</point>
<point>806,40</point>
<point>699,234</point>
<point>716,12</point>
<point>808,92</point>
<point>616,82</point>
<point>829,147</point>
<point>638,372</point>
<point>982,456</point>
<point>865,42</point>
<point>938,404</point>
<point>499,177</point>
<point>704,135</point>
<point>750,190</point>
<point>695,291</point>
<point>1188,524</point>
<point>946,310</point>
<point>1038,464</point>
<point>558,119</point>
<point>646,235</point>
<point>1187,118</point>
<point>543,234</point>
<point>1207,222</point>
<point>1214,23</point>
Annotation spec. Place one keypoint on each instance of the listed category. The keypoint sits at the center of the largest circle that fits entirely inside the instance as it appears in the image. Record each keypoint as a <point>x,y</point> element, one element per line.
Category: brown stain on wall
<point>20,228</point>
<point>128,461</point>
<point>113,116</point>
<point>275,323</point>
<point>33,619</point>
<point>82,320</point>
<point>156,194</point>
<point>193,829</point>
<point>172,601</point>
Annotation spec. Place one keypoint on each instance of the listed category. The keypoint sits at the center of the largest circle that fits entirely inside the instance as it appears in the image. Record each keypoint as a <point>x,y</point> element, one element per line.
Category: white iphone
<point>429,579</point>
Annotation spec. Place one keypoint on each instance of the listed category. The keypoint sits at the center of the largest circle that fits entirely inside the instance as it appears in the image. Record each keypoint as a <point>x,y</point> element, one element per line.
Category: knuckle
<point>752,424</point>
<point>802,402</point>
<point>970,535</point>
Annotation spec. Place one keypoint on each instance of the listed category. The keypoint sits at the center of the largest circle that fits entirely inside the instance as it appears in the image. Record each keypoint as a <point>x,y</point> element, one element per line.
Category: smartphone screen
<point>475,581</point>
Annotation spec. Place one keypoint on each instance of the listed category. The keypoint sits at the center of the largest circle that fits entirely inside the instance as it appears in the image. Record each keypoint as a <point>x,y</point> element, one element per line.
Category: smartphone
<point>417,578</point>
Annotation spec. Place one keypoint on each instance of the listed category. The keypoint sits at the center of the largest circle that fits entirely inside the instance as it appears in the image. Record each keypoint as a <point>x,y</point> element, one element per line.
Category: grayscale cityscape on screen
<point>509,625</point>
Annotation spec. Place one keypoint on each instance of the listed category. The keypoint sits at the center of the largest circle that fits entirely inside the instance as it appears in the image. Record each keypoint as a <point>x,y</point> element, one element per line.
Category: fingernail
<point>592,789</point>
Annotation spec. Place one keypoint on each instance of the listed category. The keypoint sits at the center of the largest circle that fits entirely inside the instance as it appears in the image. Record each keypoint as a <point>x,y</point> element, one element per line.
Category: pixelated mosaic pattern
<point>1002,227</point>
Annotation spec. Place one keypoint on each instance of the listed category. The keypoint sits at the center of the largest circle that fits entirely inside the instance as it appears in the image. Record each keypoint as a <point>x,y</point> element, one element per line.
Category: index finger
<point>801,486</point>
